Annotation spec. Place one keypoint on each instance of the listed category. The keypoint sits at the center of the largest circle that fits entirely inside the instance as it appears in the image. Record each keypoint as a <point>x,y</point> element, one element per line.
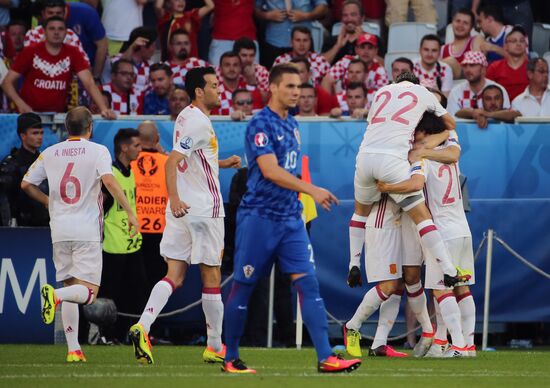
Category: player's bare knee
<point>460,290</point>
<point>362,209</point>
<point>210,275</point>
<point>388,287</point>
<point>411,274</point>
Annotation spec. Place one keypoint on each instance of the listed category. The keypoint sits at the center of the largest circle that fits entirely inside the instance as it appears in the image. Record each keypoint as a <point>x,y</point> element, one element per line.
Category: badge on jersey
<point>186,143</point>
<point>261,139</point>
<point>248,271</point>
<point>297,135</point>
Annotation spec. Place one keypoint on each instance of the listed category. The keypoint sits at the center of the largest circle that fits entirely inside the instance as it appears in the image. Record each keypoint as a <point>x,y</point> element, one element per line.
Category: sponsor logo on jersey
<point>147,165</point>
<point>261,139</point>
<point>248,271</point>
<point>186,143</point>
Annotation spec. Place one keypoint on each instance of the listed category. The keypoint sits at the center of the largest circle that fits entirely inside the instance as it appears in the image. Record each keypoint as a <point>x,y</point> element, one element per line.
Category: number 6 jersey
<point>73,169</point>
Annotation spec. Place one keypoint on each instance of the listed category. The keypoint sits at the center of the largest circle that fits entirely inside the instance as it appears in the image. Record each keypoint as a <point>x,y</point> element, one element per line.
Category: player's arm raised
<point>414,183</point>
<point>177,206</point>
<point>272,171</point>
<point>116,191</point>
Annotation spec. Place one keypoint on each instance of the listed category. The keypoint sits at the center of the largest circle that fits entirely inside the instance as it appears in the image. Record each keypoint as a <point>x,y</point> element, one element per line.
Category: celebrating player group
<point>408,210</point>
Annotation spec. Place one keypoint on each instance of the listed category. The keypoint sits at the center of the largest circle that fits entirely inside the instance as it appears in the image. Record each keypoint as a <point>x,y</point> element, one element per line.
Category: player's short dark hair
<point>407,76</point>
<point>54,19</point>
<point>357,85</point>
<point>276,73</point>
<point>229,54</point>
<point>244,43</point>
<point>308,86</point>
<point>468,12</point>
<point>357,3</point>
<point>357,60</point>
<point>404,60</point>
<point>115,66</point>
<point>430,124</point>
<point>303,60</point>
<point>492,87</point>
<point>124,136</point>
<point>303,30</point>
<point>179,31</point>
<point>195,79</point>
<point>239,91</point>
<point>532,64</point>
<point>78,120</point>
<point>430,37</point>
<point>492,10</point>
<point>161,66</point>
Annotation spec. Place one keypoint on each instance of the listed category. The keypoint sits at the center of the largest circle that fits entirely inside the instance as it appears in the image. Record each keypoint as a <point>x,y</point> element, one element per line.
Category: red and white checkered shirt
<point>142,83</point>
<point>261,74</point>
<point>428,78</point>
<point>462,96</point>
<point>179,71</point>
<point>36,35</point>
<point>226,97</point>
<point>120,101</point>
<point>341,96</point>
<point>376,76</point>
<point>319,65</point>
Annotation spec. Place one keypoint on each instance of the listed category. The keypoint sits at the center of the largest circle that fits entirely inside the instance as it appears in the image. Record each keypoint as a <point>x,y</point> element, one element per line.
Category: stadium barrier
<point>508,170</point>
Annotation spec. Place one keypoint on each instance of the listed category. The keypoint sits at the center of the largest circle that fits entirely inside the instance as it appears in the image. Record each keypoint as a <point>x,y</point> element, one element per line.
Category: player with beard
<point>180,62</point>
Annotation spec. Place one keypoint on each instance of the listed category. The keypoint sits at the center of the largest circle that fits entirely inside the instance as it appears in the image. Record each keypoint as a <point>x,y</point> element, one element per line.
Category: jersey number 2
<point>447,198</point>
<point>387,96</point>
<point>70,179</point>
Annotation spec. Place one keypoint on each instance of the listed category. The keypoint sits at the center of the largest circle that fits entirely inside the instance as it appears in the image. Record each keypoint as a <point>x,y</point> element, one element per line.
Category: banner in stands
<point>508,170</point>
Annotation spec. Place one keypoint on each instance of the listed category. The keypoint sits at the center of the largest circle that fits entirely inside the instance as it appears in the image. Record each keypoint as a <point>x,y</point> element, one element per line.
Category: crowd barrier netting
<point>508,170</point>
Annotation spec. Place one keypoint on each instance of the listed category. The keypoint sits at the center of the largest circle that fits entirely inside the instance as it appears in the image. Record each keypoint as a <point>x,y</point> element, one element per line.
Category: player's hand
<point>238,115</point>
<point>354,277</point>
<point>383,187</point>
<point>178,207</point>
<point>298,16</point>
<point>323,197</point>
<point>139,42</point>
<point>343,37</point>
<point>416,154</point>
<point>108,114</point>
<point>233,161</point>
<point>24,108</point>
<point>276,15</point>
<point>133,224</point>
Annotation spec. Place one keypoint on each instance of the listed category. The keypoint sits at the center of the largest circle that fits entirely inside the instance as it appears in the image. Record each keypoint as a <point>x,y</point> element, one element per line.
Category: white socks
<point>157,300</point>
<point>417,301</point>
<point>212,306</point>
<point>388,312</point>
<point>467,308</point>
<point>69,315</point>
<point>356,239</point>
<point>441,328</point>
<point>370,303</point>
<point>432,242</point>
<point>76,293</point>
<point>451,315</point>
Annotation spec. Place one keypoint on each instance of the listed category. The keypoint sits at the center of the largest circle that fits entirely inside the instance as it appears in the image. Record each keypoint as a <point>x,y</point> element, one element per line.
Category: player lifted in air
<point>439,171</point>
<point>269,224</point>
<point>75,170</point>
<point>194,230</point>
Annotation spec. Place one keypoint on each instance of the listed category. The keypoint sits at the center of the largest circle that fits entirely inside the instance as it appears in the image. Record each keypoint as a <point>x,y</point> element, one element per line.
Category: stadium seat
<point>370,27</point>
<point>541,38</point>
<point>406,36</point>
<point>390,57</point>
<point>317,33</point>
<point>450,36</point>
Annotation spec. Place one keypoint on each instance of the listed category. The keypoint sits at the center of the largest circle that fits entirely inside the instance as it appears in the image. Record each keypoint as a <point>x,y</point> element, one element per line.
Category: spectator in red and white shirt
<point>357,73</point>
<point>230,79</point>
<point>302,42</point>
<point>139,49</point>
<point>468,93</point>
<point>253,73</point>
<point>511,71</point>
<point>324,101</point>
<point>47,69</point>
<point>356,98</point>
<point>180,62</point>
<point>367,50</point>
<point>125,100</point>
<point>307,101</point>
<point>429,70</point>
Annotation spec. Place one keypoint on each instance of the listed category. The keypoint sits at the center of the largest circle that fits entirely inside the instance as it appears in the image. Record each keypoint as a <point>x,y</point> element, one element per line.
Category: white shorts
<point>81,260</point>
<point>195,240</point>
<point>462,254</point>
<point>412,250</point>
<point>370,168</point>
<point>383,254</point>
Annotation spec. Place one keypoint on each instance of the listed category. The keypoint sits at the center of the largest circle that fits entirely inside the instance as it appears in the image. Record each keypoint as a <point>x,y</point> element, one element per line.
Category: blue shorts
<point>260,241</point>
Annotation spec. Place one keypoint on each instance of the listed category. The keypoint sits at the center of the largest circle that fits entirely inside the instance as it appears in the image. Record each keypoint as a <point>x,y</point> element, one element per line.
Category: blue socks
<point>314,315</point>
<point>236,309</point>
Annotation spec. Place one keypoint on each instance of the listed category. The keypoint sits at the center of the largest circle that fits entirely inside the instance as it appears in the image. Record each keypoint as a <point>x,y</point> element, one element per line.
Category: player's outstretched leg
<point>139,333</point>
<point>76,293</point>
<point>236,309</point>
<point>315,319</point>
<point>388,312</point>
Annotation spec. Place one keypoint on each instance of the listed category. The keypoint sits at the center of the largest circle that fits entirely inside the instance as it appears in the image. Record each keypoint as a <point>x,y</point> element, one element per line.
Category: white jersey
<point>443,194</point>
<point>198,174</point>
<point>385,214</point>
<point>73,169</point>
<point>393,116</point>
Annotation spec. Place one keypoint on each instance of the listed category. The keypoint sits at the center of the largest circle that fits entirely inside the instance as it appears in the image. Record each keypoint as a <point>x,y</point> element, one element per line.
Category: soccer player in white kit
<point>194,230</point>
<point>440,174</point>
<point>75,170</point>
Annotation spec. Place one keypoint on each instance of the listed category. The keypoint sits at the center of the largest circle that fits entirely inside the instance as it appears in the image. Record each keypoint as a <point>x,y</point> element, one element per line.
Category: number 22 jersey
<point>73,169</point>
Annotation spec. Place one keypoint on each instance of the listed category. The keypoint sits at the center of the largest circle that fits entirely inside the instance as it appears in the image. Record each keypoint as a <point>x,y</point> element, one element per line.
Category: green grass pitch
<point>40,366</point>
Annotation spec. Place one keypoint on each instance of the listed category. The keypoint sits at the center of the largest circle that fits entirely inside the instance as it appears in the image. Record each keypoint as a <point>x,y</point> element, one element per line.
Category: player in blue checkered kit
<point>270,227</point>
